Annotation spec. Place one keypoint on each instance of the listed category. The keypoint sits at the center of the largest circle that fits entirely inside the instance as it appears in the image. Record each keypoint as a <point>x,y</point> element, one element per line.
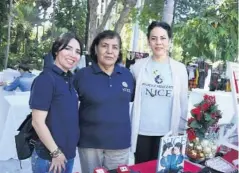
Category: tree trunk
<point>106,16</point>
<point>9,34</point>
<point>37,35</point>
<point>93,4</point>
<point>87,26</point>
<point>168,11</point>
<point>128,5</point>
<point>53,21</point>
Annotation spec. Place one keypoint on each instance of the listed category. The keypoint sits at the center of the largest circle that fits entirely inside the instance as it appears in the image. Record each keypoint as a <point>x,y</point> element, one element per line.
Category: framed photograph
<point>171,154</point>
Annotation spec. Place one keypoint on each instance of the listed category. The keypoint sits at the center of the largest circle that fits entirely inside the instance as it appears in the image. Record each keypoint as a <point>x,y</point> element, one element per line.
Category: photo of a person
<point>165,161</point>
<point>171,158</point>
<point>177,158</point>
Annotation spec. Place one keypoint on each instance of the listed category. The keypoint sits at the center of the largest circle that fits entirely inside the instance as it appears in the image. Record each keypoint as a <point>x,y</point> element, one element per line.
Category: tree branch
<point>128,5</point>
<point>106,15</point>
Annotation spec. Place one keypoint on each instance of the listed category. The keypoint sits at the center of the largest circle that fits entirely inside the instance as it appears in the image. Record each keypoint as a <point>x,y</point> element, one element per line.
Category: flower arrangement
<point>203,122</point>
<point>204,115</point>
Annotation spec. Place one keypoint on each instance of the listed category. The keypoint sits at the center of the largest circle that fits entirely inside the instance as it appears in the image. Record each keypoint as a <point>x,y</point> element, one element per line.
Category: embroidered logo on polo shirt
<point>125,84</point>
<point>125,87</point>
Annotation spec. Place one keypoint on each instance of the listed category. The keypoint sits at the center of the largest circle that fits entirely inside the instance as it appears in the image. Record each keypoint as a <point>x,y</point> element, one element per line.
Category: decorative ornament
<point>203,129</point>
<point>207,150</point>
<point>199,148</point>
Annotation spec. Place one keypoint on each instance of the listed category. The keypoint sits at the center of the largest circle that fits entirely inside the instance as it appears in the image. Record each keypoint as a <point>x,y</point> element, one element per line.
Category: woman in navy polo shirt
<point>54,105</point>
<point>105,90</point>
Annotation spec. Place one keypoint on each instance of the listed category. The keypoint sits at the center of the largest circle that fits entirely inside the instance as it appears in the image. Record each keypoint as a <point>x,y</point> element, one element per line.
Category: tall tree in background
<point>71,15</point>
<point>187,9</point>
<point>127,6</point>
<point>95,27</point>
<point>168,11</point>
<point>212,35</point>
<point>8,33</point>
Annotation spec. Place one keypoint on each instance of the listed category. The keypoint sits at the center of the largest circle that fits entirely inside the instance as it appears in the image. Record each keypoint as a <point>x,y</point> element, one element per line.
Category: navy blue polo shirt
<point>53,91</point>
<point>104,108</point>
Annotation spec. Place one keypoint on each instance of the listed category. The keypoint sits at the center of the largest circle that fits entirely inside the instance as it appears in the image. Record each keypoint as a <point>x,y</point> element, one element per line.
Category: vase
<point>199,150</point>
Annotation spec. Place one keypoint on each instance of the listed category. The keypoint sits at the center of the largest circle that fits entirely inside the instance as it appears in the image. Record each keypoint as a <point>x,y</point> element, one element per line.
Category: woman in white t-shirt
<point>160,104</point>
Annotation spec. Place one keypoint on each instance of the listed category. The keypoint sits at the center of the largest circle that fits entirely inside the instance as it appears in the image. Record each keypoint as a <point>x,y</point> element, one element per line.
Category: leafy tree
<point>187,9</point>
<point>71,15</point>
<point>212,35</point>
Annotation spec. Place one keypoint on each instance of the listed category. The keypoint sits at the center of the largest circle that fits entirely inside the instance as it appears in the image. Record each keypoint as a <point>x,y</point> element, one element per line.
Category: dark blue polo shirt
<point>53,91</point>
<point>104,108</point>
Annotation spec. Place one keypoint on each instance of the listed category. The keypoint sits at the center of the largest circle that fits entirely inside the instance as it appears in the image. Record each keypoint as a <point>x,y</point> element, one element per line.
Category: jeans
<point>42,166</point>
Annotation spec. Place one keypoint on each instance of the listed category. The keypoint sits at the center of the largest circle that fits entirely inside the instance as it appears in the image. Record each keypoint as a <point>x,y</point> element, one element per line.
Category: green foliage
<point>151,11</point>
<point>72,16</point>
<point>188,9</point>
<point>194,124</point>
<point>214,31</point>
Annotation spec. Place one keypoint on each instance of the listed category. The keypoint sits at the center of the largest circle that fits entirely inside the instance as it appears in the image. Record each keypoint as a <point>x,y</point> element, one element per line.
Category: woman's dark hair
<point>163,25</point>
<point>62,41</point>
<point>179,145</point>
<point>166,146</point>
<point>107,34</point>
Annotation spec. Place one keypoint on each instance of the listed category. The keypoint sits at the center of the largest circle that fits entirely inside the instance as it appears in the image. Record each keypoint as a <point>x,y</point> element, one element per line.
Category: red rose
<point>197,113</point>
<point>190,120</point>
<point>205,97</point>
<point>205,106</point>
<point>211,100</point>
<point>191,134</point>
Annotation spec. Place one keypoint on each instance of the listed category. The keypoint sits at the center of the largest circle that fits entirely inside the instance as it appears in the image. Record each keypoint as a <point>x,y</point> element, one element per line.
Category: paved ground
<point>13,166</point>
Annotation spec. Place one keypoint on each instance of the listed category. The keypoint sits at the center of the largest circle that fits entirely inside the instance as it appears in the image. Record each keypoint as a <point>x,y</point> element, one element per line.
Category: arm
<point>163,161</point>
<point>179,159</point>
<point>13,85</point>
<point>38,122</point>
<point>183,100</point>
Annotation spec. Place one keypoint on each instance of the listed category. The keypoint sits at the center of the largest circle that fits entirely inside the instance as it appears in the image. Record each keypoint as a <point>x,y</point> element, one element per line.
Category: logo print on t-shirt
<point>158,79</point>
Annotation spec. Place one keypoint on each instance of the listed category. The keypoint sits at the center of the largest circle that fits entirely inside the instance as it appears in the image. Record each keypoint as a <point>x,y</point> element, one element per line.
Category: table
<point>150,167</point>
<point>4,106</point>
<point>18,110</point>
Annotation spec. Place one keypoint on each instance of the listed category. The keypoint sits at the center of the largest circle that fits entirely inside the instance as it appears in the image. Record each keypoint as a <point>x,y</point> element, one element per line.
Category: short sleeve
<point>42,92</point>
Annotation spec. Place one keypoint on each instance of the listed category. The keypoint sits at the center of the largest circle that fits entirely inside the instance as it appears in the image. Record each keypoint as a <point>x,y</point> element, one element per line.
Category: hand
<point>58,163</point>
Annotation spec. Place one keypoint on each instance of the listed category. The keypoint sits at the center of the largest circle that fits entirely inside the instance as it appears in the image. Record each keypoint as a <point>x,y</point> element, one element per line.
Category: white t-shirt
<point>156,104</point>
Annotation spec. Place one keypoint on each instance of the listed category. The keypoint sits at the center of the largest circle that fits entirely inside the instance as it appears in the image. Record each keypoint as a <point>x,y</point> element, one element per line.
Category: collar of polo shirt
<point>97,69</point>
<point>61,72</point>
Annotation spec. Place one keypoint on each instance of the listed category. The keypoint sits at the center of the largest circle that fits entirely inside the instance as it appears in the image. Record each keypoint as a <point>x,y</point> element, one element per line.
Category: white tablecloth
<point>18,110</point>
<point>4,106</point>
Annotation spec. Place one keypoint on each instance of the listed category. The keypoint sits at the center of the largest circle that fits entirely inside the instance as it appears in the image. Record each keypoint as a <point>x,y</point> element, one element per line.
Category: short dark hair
<point>163,25</point>
<point>24,67</point>
<point>62,41</point>
<point>166,146</point>
<point>179,145</point>
<point>105,34</point>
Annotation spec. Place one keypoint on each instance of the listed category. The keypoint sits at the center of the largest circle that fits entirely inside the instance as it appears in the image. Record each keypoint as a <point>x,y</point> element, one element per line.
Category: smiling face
<point>159,42</point>
<point>107,51</point>
<point>68,57</point>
